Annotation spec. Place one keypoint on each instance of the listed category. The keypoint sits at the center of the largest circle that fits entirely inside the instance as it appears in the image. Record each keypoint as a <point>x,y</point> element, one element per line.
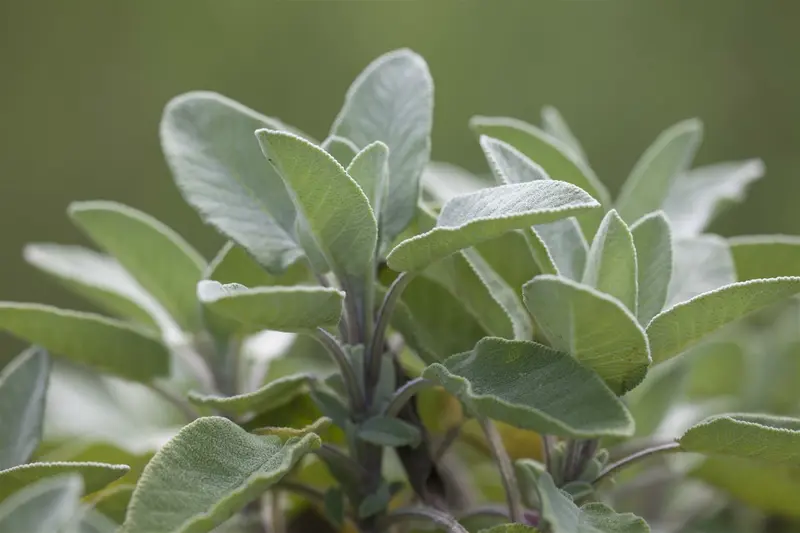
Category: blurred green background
<point>82,86</point>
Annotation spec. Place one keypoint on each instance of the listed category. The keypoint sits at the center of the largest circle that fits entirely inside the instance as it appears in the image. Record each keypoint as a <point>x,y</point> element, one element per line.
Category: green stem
<point>495,511</point>
<point>635,457</point>
<point>348,373</point>
<point>405,393</point>
<point>505,467</point>
<point>425,514</point>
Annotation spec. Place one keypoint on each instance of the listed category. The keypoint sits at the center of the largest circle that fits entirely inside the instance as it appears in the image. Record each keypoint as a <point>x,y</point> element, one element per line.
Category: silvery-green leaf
<point>343,150</point>
<point>678,328</point>
<point>650,180</point>
<point>270,396</point>
<point>209,145</point>
<point>593,327</point>
<point>473,218</point>
<point>652,400</point>
<point>765,256</point>
<point>45,507</point>
<point>101,343</point>
<point>698,195</point>
<point>512,244</point>
<point>385,431</point>
<point>553,124</point>
<point>233,264</point>
<point>517,382</point>
<point>23,390</point>
<point>164,264</point>
<point>370,169</point>
<point>338,216</point>
<point>95,475</point>
<point>208,472</point>
<point>392,101</point>
<point>443,181</point>
<point>652,237</point>
<point>611,263</point>
<point>700,264</point>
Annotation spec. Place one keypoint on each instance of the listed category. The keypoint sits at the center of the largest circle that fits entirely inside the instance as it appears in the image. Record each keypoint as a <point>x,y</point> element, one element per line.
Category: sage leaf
<point>218,167</point>
<point>443,181</point>
<point>23,388</point>
<point>208,472</point>
<point>652,400</point>
<point>593,327</point>
<point>767,256</point>
<point>700,264</point>
<point>697,196</point>
<point>159,259</point>
<point>650,180</point>
<point>101,343</point>
<point>678,328</point>
<point>338,216</point>
<point>386,431</point>
<point>278,308</point>
<point>553,124</point>
<point>771,439</point>
<point>113,501</point>
<point>95,475</point>
<point>392,101</point>
<point>233,264</point>
<point>517,382</point>
<point>370,169</point>
<point>270,396</point>
<point>318,426</point>
<point>472,218</point>
<point>652,237</point>
<point>343,150</point>
<point>45,507</point>
<point>611,263</point>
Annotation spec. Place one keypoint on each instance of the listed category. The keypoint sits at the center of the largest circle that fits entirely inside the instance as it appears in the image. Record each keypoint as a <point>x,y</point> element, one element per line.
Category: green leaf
<point>652,400</point>
<point>652,237</point>
<point>650,180</point>
<point>765,256</point>
<point>162,262</point>
<point>375,502</point>
<point>553,124</point>
<point>771,439</point>
<point>277,308</point>
<point>208,472</point>
<point>95,475</point>
<point>676,329</point>
<point>700,264</point>
<point>472,218</point>
<point>719,369</point>
<point>113,501</point>
<point>233,264</point>
<point>392,101</point>
<point>385,431</point>
<point>209,145</point>
<point>370,169</point>
<point>318,426</point>
<point>45,507</point>
<point>23,389</point>
<point>343,150</point>
<point>593,327</point>
<point>697,196</point>
<point>271,396</point>
<point>611,263</point>
<point>443,181</point>
<point>101,343</point>
<point>517,382</point>
<point>334,506</point>
<point>338,216</point>
<point>512,244</point>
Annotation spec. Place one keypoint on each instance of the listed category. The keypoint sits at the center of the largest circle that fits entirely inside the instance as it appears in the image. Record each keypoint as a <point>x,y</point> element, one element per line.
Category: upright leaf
<point>270,396</point>
<point>678,328</point>
<point>23,387</point>
<point>473,218</point>
<point>697,196</point>
<point>553,124</point>
<point>101,343</point>
<point>650,180</point>
<point>233,264</point>
<point>700,264</point>
<point>46,507</point>
<point>338,215</point>
<point>652,238</point>
<point>343,150</point>
<point>157,257</point>
<point>611,264</point>
<point>518,383</point>
<point>392,101</point>
<point>208,472</point>
<point>765,256</point>
<point>95,475</point>
<point>593,327</point>
<point>208,142</point>
<point>370,169</point>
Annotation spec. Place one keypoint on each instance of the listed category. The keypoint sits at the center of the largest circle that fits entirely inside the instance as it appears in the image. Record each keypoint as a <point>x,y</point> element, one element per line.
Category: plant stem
<point>348,373</point>
<point>182,404</point>
<point>634,457</point>
<point>426,514</point>
<point>548,445</point>
<point>485,510</point>
<point>505,467</point>
<point>405,393</point>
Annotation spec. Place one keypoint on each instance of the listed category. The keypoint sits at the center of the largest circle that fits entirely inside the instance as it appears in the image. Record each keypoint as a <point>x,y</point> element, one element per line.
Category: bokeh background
<point>82,86</point>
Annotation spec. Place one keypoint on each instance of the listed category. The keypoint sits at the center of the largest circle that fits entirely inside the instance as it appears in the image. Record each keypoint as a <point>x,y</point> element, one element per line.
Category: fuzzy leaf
<point>277,308</point>
<point>517,382</point>
<point>370,169</point>
<point>611,263</point>
<point>233,264</point>
<point>392,101</point>
<point>209,471</point>
<point>765,256</point>
<point>678,328</point>
<point>700,264</point>
<point>318,426</point>
<point>270,396</point>
<point>385,431</point>
<point>101,343</point>
<point>650,180</point>
<point>553,124</point>
<point>162,262</point>
<point>95,475</point>
<point>23,389</point>
<point>593,327</point>
<point>209,145</point>
<point>45,507</point>
<point>652,238</point>
<point>697,196</point>
<point>651,401</point>
<point>343,150</point>
<point>472,218</point>
<point>443,181</point>
<point>337,214</point>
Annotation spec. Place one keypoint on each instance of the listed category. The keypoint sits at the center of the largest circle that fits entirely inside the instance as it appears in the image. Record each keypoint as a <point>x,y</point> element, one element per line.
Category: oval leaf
<point>271,396</point>
<point>472,218</point>
<point>611,264</point>
<point>765,256</point>
<point>385,431</point>
<point>517,382</point>
<point>44,507</point>
<point>370,169</point>
<point>209,471</point>
<point>652,237</point>
<point>98,342</point>
<point>593,327</point>
<point>95,475</point>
